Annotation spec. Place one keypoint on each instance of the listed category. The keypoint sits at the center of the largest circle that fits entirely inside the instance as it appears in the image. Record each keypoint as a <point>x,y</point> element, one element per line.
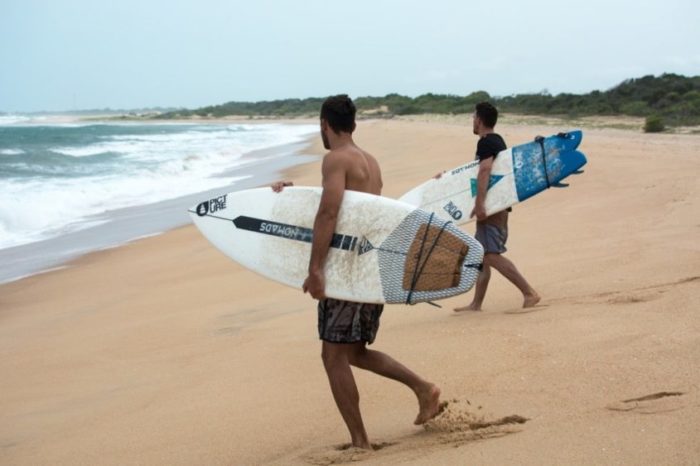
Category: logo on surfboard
<point>297,233</point>
<point>211,206</point>
<point>365,246</point>
<point>453,210</point>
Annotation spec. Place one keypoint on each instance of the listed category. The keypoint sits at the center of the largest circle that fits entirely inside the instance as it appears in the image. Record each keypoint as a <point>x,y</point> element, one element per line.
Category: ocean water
<point>57,180</point>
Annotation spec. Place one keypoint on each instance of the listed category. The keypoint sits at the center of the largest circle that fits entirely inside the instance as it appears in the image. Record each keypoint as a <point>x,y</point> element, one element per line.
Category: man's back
<point>362,172</point>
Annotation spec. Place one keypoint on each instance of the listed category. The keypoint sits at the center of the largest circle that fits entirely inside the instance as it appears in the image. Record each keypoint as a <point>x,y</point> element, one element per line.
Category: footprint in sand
<point>229,331</point>
<point>635,298</point>
<point>345,453</point>
<point>660,402</point>
<point>527,310</point>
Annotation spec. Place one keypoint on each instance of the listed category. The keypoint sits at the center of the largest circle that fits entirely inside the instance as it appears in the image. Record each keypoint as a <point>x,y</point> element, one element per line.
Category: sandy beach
<point>165,352</point>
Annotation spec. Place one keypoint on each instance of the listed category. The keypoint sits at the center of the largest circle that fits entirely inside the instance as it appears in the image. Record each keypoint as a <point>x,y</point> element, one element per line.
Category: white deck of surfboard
<point>450,195</point>
<point>349,275</point>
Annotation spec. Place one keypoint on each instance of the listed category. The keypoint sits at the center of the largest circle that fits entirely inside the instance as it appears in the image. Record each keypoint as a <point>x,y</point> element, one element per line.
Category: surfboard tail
<point>552,168</point>
<point>570,140</point>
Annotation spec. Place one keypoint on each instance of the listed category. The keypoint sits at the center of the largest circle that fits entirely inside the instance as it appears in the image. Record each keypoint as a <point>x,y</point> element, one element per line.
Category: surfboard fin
<point>577,172</point>
<point>560,185</point>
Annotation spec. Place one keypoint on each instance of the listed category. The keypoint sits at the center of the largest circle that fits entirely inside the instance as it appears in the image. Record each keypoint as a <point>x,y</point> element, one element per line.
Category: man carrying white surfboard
<point>345,327</point>
<point>492,231</point>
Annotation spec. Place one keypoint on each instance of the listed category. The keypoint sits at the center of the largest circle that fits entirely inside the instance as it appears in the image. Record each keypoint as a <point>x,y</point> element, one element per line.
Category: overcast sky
<point>82,54</point>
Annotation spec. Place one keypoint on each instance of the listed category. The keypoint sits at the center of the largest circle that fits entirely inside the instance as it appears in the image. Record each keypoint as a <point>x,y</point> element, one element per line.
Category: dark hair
<point>487,113</point>
<point>339,112</point>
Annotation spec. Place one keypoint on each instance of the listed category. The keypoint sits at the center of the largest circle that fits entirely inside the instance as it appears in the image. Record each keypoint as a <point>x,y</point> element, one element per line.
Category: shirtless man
<point>344,343</point>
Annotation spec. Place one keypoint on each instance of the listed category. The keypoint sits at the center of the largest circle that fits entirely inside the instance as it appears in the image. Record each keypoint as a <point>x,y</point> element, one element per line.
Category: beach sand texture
<point>164,351</point>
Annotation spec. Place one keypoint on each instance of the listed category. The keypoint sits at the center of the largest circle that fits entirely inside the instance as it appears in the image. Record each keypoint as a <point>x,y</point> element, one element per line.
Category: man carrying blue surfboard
<point>345,327</point>
<point>492,231</point>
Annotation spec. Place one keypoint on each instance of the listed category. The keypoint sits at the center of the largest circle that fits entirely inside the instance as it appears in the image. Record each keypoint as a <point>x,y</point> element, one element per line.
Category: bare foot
<point>531,300</point>
<point>471,307</point>
<point>362,444</point>
<point>428,405</point>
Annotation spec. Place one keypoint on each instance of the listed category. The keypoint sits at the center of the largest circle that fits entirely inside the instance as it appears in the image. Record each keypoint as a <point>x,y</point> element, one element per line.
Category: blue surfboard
<point>518,173</point>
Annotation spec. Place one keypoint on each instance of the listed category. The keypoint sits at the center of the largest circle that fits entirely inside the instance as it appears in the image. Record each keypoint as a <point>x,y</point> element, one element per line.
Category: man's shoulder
<point>336,160</point>
<point>489,146</point>
<point>347,155</point>
<point>494,138</point>
<point>335,156</point>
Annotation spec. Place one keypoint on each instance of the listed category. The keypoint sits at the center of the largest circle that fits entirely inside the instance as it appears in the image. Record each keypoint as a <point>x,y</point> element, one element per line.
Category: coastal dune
<point>163,351</point>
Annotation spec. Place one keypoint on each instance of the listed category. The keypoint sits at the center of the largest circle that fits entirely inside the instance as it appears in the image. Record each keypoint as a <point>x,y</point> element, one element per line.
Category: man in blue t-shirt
<point>492,231</point>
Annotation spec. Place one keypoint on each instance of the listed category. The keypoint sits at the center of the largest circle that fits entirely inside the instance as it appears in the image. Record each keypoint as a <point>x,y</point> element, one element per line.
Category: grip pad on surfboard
<point>434,268</point>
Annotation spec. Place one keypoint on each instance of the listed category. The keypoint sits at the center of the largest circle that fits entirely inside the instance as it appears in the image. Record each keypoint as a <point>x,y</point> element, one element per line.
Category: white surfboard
<point>518,173</point>
<point>383,251</point>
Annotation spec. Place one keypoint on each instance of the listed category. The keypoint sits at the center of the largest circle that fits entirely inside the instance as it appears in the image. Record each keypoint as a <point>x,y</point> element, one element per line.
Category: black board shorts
<point>348,322</point>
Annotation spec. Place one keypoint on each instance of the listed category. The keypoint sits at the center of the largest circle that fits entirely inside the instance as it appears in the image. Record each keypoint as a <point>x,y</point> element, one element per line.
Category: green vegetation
<point>653,124</point>
<point>673,99</point>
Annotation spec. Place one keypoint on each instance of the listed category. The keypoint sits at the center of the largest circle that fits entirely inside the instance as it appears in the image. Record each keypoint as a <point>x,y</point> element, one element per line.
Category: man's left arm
<point>482,186</point>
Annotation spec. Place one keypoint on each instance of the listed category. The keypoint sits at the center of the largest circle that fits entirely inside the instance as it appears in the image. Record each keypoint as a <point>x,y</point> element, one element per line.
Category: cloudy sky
<point>82,54</point>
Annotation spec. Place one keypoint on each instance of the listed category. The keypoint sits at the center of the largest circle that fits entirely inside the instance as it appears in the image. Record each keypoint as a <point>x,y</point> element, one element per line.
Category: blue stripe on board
<point>492,180</point>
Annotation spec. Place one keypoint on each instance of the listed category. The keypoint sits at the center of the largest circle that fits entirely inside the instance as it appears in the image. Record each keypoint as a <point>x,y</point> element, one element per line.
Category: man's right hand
<point>479,211</point>
<point>278,186</point>
<point>315,285</point>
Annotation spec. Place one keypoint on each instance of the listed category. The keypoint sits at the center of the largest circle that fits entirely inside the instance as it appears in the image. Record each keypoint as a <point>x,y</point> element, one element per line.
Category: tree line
<point>669,98</point>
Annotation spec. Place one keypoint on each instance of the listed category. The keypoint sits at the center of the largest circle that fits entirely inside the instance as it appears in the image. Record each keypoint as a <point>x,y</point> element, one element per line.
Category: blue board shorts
<point>492,237</point>
<point>348,322</point>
